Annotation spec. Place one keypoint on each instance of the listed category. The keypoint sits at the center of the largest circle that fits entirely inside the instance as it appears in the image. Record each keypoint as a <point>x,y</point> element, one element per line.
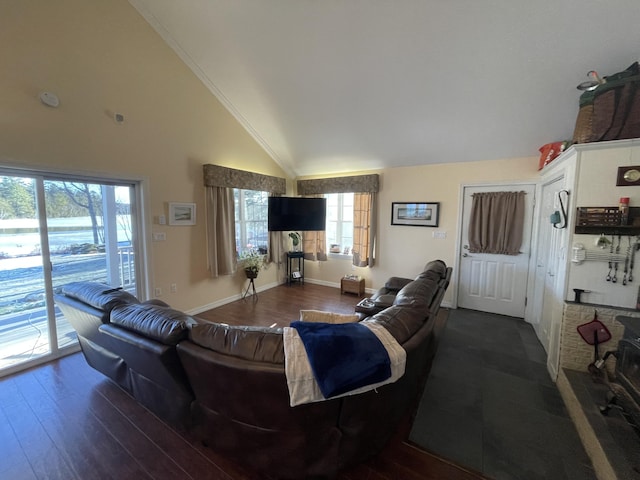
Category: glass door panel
<point>90,239</point>
<point>24,332</point>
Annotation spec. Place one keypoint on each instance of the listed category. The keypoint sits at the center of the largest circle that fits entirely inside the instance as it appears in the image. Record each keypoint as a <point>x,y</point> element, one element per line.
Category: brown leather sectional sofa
<point>228,385</point>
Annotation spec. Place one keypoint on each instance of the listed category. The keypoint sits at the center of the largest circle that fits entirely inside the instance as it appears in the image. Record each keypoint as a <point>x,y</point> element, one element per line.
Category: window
<point>251,220</point>
<point>339,231</point>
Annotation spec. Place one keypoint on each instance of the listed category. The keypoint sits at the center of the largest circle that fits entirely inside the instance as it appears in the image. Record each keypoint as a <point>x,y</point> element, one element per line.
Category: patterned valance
<point>357,184</point>
<point>217,176</point>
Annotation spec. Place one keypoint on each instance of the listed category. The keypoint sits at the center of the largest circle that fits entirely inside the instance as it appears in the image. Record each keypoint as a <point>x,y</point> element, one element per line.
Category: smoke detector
<point>49,99</point>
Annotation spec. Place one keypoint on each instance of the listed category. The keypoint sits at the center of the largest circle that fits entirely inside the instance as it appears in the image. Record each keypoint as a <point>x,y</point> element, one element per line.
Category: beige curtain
<point>497,222</point>
<point>364,215</point>
<point>314,243</point>
<point>221,231</point>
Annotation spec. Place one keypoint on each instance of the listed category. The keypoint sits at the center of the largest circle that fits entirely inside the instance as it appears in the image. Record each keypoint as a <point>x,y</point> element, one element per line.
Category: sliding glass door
<point>23,324</point>
<point>54,231</point>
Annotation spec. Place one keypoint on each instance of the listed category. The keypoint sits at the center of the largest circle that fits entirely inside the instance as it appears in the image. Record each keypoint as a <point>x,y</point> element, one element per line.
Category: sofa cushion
<point>400,322</point>
<point>318,316</point>
<point>98,295</point>
<point>417,294</point>
<point>161,324</point>
<point>259,344</point>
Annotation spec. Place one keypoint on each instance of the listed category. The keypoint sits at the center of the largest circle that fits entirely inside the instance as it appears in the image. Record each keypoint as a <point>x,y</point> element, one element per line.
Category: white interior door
<point>489,282</point>
<point>548,262</point>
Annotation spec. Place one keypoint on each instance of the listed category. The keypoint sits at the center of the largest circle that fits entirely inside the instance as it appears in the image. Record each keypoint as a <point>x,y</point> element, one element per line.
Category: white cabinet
<point>588,173</point>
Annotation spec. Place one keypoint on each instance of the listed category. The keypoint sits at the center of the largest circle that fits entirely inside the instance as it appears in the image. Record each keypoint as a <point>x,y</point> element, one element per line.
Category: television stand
<point>295,275</point>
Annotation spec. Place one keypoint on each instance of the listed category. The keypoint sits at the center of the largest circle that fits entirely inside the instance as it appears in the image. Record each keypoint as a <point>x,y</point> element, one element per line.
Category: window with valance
<point>365,189</point>
<point>220,183</point>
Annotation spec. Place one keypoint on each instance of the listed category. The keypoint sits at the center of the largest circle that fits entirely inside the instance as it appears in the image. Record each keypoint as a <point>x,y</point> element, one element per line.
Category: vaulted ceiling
<point>329,86</point>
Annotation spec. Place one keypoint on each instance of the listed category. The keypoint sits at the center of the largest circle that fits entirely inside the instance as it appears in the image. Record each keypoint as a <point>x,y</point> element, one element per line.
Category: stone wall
<point>575,353</point>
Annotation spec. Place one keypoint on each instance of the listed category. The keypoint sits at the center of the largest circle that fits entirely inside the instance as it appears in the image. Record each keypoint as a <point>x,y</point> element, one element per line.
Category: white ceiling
<point>329,86</point>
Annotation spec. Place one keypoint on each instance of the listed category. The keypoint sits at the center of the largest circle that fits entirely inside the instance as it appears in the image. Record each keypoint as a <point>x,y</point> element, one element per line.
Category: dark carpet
<point>490,404</point>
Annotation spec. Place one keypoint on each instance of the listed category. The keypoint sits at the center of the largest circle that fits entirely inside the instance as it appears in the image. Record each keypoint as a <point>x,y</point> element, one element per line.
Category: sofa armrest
<point>394,284</point>
<point>384,301</point>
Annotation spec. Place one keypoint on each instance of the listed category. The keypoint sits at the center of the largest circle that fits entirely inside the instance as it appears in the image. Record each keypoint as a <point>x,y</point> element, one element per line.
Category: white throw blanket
<point>302,384</point>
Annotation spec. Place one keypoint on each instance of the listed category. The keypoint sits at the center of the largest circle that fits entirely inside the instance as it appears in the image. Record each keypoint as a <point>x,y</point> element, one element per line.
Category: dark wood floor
<point>281,305</point>
<point>66,421</point>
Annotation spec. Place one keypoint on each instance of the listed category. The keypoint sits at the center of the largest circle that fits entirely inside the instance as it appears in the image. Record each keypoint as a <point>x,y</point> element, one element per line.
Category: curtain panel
<point>364,216</point>
<point>221,231</point>
<point>497,222</point>
<point>314,243</point>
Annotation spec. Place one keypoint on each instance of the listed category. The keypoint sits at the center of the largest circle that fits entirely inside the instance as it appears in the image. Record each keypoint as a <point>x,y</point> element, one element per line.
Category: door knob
<point>466,255</point>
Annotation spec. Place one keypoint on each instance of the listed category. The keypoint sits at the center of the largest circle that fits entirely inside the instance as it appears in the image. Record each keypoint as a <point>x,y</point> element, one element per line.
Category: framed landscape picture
<point>182,213</point>
<point>415,214</point>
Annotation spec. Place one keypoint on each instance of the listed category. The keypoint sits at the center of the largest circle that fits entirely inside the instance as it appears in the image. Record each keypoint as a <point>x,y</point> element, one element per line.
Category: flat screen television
<point>296,213</point>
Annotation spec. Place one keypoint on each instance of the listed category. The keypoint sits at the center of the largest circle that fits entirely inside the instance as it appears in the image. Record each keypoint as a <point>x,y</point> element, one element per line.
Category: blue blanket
<point>343,356</point>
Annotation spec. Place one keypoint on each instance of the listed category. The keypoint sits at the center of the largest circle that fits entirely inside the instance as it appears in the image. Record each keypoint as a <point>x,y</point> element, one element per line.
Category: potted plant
<point>295,240</point>
<point>252,262</point>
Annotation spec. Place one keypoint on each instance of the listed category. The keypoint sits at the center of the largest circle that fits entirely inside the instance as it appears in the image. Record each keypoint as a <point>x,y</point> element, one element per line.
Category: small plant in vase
<point>252,262</point>
<point>295,240</point>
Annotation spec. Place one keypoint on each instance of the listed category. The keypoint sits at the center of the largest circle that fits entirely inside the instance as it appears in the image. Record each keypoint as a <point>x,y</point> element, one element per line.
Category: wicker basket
<point>611,111</point>
<point>583,132</point>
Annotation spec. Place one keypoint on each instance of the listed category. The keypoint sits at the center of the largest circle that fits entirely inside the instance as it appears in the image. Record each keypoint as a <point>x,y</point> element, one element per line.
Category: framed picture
<point>182,213</point>
<point>415,214</point>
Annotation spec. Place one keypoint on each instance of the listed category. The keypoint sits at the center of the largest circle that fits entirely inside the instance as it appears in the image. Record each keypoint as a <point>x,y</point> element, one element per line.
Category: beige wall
<point>101,57</point>
<point>402,250</point>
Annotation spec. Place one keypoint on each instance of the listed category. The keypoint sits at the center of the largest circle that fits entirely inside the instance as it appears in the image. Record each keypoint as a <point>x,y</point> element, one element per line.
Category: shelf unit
<point>606,220</point>
<point>295,275</point>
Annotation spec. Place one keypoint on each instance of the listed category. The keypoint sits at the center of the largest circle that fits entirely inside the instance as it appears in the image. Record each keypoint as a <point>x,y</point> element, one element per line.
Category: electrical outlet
<point>157,291</point>
<point>159,236</point>
<point>440,235</point>
<point>174,288</point>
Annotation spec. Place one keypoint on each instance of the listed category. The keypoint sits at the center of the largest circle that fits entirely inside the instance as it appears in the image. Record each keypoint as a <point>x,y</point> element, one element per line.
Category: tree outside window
<point>251,221</point>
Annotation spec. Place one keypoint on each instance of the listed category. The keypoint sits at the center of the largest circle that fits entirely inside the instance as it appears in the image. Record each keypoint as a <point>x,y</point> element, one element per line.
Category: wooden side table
<point>352,285</point>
